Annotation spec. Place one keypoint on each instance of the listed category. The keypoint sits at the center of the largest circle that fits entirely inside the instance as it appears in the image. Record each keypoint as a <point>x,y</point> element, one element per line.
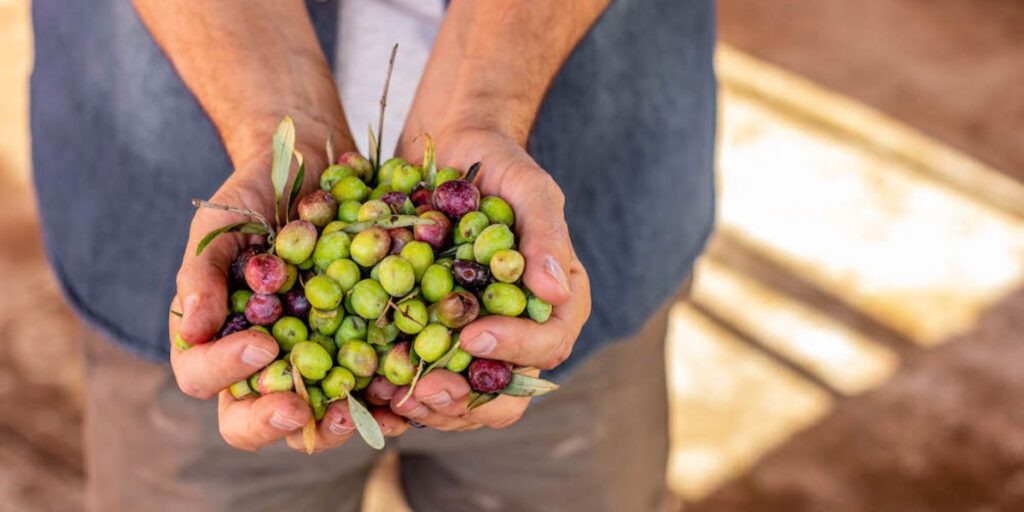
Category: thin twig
<point>199,203</point>
<point>412,385</point>
<point>384,101</point>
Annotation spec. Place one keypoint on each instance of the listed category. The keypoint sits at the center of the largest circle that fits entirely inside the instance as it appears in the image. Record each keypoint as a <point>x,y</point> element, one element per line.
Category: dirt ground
<point>945,434</point>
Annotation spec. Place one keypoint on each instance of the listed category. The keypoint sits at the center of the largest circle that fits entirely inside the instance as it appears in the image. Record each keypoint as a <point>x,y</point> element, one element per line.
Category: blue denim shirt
<point>120,146</point>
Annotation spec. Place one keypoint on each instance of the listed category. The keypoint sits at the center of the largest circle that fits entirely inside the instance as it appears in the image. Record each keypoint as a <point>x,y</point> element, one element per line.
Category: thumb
<point>202,286</point>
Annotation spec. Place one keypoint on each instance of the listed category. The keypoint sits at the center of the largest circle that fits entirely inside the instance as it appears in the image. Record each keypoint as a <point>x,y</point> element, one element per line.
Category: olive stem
<point>199,203</point>
<point>412,385</point>
<point>384,101</point>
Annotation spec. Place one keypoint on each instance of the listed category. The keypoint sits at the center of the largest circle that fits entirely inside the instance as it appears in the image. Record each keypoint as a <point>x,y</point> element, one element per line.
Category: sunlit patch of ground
<point>882,221</point>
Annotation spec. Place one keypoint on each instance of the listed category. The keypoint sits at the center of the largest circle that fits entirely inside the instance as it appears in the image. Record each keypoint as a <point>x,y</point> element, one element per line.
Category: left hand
<point>553,273</point>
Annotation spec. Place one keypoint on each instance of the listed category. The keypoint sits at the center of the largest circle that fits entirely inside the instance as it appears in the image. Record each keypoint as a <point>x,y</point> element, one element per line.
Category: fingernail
<point>439,399</point>
<point>554,270</point>
<point>341,427</point>
<point>419,412</point>
<point>190,304</point>
<point>481,344</point>
<point>282,422</point>
<point>257,357</point>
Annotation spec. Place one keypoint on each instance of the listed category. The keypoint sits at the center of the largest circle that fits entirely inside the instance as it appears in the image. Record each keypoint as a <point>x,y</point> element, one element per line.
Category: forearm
<point>493,62</point>
<point>249,64</point>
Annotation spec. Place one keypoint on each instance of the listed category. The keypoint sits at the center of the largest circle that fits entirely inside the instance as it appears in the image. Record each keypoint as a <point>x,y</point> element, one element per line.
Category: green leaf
<point>374,152</point>
<point>248,228</point>
<point>284,146</point>
<point>367,426</point>
<point>389,222</point>
<point>407,207</point>
<point>524,385</point>
<point>429,158</point>
<point>478,399</point>
<point>445,359</point>
<point>296,185</point>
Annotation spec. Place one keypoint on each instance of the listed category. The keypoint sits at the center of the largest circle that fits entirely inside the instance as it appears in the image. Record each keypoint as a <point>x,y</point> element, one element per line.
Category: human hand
<point>206,369</point>
<point>553,273</point>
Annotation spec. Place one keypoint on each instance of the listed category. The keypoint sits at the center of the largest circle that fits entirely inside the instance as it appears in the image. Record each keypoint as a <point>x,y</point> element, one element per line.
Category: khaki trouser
<point>598,443</point>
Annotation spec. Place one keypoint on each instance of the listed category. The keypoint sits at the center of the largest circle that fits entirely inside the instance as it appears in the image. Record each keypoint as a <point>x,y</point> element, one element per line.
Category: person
<point>594,119</point>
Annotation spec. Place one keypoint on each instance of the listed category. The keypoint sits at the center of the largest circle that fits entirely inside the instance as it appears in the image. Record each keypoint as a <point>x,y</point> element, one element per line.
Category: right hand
<point>206,369</point>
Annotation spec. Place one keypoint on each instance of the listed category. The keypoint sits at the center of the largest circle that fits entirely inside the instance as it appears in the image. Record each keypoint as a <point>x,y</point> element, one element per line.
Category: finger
<point>391,424</point>
<point>334,429</point>
<point>203,370</point>
<point>419,412</point>
<point>202,279</point>
<point>542,233</point>
<point>501,412</point>
<point>526,343</point>
<point>444,392</point>
<point>253,424</point>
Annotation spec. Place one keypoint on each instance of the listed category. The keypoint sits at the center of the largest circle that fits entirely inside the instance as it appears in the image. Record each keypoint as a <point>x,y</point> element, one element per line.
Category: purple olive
<point>456,198</point>
<point>435,234</point>
<point>238,266</point>
<point>470,274</point>
<point>263,309</point>
<point>489,376</point>
<point>421,194</point>
<point>395,200</point>
<point>295,303</point>
<point>235,322</point>
<point>265,273</point>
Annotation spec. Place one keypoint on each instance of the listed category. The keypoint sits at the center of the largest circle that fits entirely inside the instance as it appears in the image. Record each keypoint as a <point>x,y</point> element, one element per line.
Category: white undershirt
<point>367,29</point>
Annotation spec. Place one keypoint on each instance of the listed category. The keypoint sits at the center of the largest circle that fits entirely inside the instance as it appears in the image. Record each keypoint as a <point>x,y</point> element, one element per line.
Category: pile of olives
<point>369,287</point>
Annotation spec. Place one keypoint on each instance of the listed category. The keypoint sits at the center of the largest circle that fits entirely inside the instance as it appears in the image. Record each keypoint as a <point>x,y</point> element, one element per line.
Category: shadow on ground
<point>946,433</point>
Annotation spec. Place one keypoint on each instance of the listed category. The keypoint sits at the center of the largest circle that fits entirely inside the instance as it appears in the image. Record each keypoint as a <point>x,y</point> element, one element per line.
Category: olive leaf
<point>374,149</point>
<point>248,228</point>
<point>445,359</point>
<point>309,429</point>
<point>429,159</point>
<point>524,385</point>
<point>472,172</point>
<point>478,399</point>
<point>366,425</point>
<point>449,252</point>
<point>296,185</point>
<point>407,207</point>
<point>389,222</point>
<point>284,147</point>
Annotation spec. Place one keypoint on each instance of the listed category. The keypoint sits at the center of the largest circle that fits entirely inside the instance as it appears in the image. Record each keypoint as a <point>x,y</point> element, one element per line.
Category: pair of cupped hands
<point>440,400</point>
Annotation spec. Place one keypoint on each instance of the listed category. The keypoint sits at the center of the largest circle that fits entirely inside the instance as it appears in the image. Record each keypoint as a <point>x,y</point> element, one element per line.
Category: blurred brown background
<point>854,342</point>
